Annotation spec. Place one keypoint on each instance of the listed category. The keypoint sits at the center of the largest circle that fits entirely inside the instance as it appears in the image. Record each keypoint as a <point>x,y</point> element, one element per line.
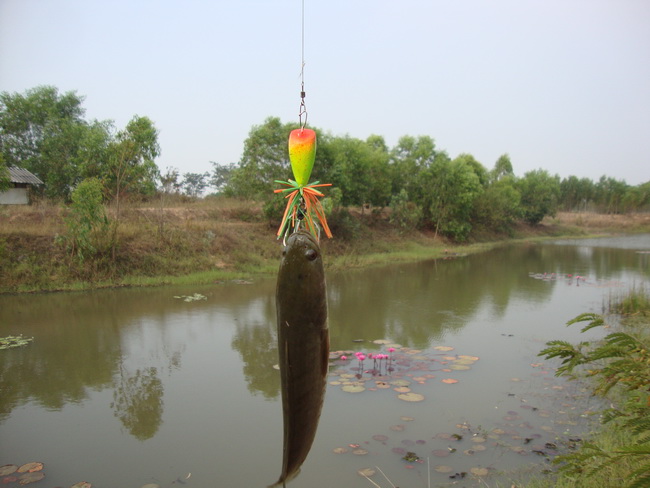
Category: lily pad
<point>32,477</point>
<point>402,389</point>
<point>82,484</point>
<point>353,388</point>
<point>366,472</point>
<point>441,468</point>
<point>381,341</point>
<point>449,381</point>
<point>30,467</point>
<point>400,382</point>
<point>8,469</point>
<point>443,348</point>
<point>340,450</point>
<point>478,471</point>
<point>411,397</point>
<point>441,452</point>
<point>473,358</point>
<point>464,361</point>
<point>360,451</point>
<point>380,437</point>
<point>459,367</point>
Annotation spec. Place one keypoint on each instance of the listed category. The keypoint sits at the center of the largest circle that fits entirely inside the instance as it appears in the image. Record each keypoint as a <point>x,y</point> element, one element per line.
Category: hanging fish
<point>303,203</point>
<point>303,347</point>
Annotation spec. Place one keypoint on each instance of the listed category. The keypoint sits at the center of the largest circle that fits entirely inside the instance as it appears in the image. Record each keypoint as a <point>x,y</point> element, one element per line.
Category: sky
<point>560,85</point>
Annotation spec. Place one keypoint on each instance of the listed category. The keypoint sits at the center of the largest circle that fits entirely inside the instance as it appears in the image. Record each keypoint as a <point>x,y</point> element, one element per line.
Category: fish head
<point>301,279</point>
<point>302,252</point>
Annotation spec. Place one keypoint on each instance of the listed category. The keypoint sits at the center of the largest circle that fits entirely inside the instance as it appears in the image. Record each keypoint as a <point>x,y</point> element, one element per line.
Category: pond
<point>127,387</point>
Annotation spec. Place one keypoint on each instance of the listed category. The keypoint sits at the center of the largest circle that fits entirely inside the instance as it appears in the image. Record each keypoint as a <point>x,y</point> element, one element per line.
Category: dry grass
<point>635,222</point>
<point>218,236</point>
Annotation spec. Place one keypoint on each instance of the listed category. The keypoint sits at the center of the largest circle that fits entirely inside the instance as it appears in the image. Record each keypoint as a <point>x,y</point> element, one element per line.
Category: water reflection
<point>138,402</point>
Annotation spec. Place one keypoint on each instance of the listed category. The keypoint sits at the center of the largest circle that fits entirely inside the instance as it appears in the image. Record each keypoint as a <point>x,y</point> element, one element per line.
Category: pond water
<point>127,387</point>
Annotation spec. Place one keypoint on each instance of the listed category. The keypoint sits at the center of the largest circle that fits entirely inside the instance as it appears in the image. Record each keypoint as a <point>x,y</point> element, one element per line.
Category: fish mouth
<point>301,236</point>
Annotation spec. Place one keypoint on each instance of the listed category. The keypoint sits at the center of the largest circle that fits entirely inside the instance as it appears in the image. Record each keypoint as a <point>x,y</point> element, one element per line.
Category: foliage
<point>4,175</point>
<point>221,174</point>
<point>169,181</point>
<point>454,189</point>
<point>131,164</point>
<point>621,361</point>
<point>44,132</point>
<point>87,224</point>
<point>540,193</point>
<point>41,131</point>
<point>193,184</point>
<point>455,196</point>
<point>498,207</point>
<point>405,215</point>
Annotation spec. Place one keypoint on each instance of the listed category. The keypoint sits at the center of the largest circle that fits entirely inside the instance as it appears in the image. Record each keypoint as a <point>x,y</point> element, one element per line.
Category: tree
<point>221,175</point>
<point>87,223</point>
<point>455,186</point>
<point>264,160</point>
<point>540,194</point>
<point>609,193</point>
<point>5,182</point>
<point>42,132</point>
<point>409,159</point>
<point>195,183</point>
<point>131,166</point>
<point>498,207</point>
<point>502,168</point>
<point>169,181</point>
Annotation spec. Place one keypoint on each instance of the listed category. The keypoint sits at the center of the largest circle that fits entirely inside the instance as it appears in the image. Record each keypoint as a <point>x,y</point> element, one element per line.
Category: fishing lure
<point>303,204</point>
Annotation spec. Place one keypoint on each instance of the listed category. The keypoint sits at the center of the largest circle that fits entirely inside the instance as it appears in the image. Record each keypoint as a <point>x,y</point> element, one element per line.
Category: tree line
<point>422,184</point>
<point>46,133</point>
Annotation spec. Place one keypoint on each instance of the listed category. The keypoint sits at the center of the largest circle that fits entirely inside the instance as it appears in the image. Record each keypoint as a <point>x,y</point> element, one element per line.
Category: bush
<point>406,215</point>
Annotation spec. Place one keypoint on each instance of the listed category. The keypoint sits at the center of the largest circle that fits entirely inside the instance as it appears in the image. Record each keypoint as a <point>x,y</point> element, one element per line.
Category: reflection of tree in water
<point>138,402</point>
<point>259,351</point>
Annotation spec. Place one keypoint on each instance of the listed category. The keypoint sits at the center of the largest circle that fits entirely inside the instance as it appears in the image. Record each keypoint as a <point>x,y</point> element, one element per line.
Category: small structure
<point>18,193</point>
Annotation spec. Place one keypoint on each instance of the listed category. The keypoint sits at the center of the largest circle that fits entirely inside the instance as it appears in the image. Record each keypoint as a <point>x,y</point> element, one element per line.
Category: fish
<point>303,347</point>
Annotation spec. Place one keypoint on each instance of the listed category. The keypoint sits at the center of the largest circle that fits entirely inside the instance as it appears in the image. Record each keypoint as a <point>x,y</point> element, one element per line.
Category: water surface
<point>133,386</point>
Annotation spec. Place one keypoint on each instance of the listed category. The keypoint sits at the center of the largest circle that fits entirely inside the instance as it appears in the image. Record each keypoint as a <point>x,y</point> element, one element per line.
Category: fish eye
<point>311,254</point>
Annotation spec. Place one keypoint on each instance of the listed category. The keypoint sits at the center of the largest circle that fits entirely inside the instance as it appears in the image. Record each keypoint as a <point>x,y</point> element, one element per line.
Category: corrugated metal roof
<point>20,175</point>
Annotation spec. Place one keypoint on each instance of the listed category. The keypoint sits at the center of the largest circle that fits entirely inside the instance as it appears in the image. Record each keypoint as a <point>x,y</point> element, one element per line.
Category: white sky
<point>562,85</point>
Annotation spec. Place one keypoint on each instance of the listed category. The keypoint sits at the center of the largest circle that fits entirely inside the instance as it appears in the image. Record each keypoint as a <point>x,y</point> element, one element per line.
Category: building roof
<point>20,175</point>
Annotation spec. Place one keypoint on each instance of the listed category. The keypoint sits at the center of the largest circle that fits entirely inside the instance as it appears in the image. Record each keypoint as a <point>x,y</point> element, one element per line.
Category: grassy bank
<point>195,242</point>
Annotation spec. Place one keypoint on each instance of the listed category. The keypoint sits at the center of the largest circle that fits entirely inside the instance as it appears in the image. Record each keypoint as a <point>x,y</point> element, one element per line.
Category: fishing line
<point>303,107</point>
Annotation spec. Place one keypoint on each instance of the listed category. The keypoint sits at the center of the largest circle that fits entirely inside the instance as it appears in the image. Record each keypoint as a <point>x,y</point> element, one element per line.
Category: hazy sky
<point>562,85</point>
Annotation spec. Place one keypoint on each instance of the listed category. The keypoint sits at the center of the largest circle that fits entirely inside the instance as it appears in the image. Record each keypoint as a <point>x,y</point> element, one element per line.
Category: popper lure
<point>303,204</point>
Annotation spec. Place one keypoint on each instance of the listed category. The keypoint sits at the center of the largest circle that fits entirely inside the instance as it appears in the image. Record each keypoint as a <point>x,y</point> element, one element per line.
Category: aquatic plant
<point>620,361</point>
<point>9,342</point>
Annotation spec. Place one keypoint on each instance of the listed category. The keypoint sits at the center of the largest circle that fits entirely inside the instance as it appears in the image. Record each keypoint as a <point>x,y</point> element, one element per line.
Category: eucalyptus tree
<point>540,195</point>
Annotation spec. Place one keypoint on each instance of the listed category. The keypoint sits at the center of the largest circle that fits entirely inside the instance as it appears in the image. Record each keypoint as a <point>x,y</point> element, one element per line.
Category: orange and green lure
<point>303,203</point>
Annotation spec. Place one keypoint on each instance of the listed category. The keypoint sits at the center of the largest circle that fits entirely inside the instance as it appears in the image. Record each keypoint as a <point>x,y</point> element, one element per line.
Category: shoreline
<point>197,245</point>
